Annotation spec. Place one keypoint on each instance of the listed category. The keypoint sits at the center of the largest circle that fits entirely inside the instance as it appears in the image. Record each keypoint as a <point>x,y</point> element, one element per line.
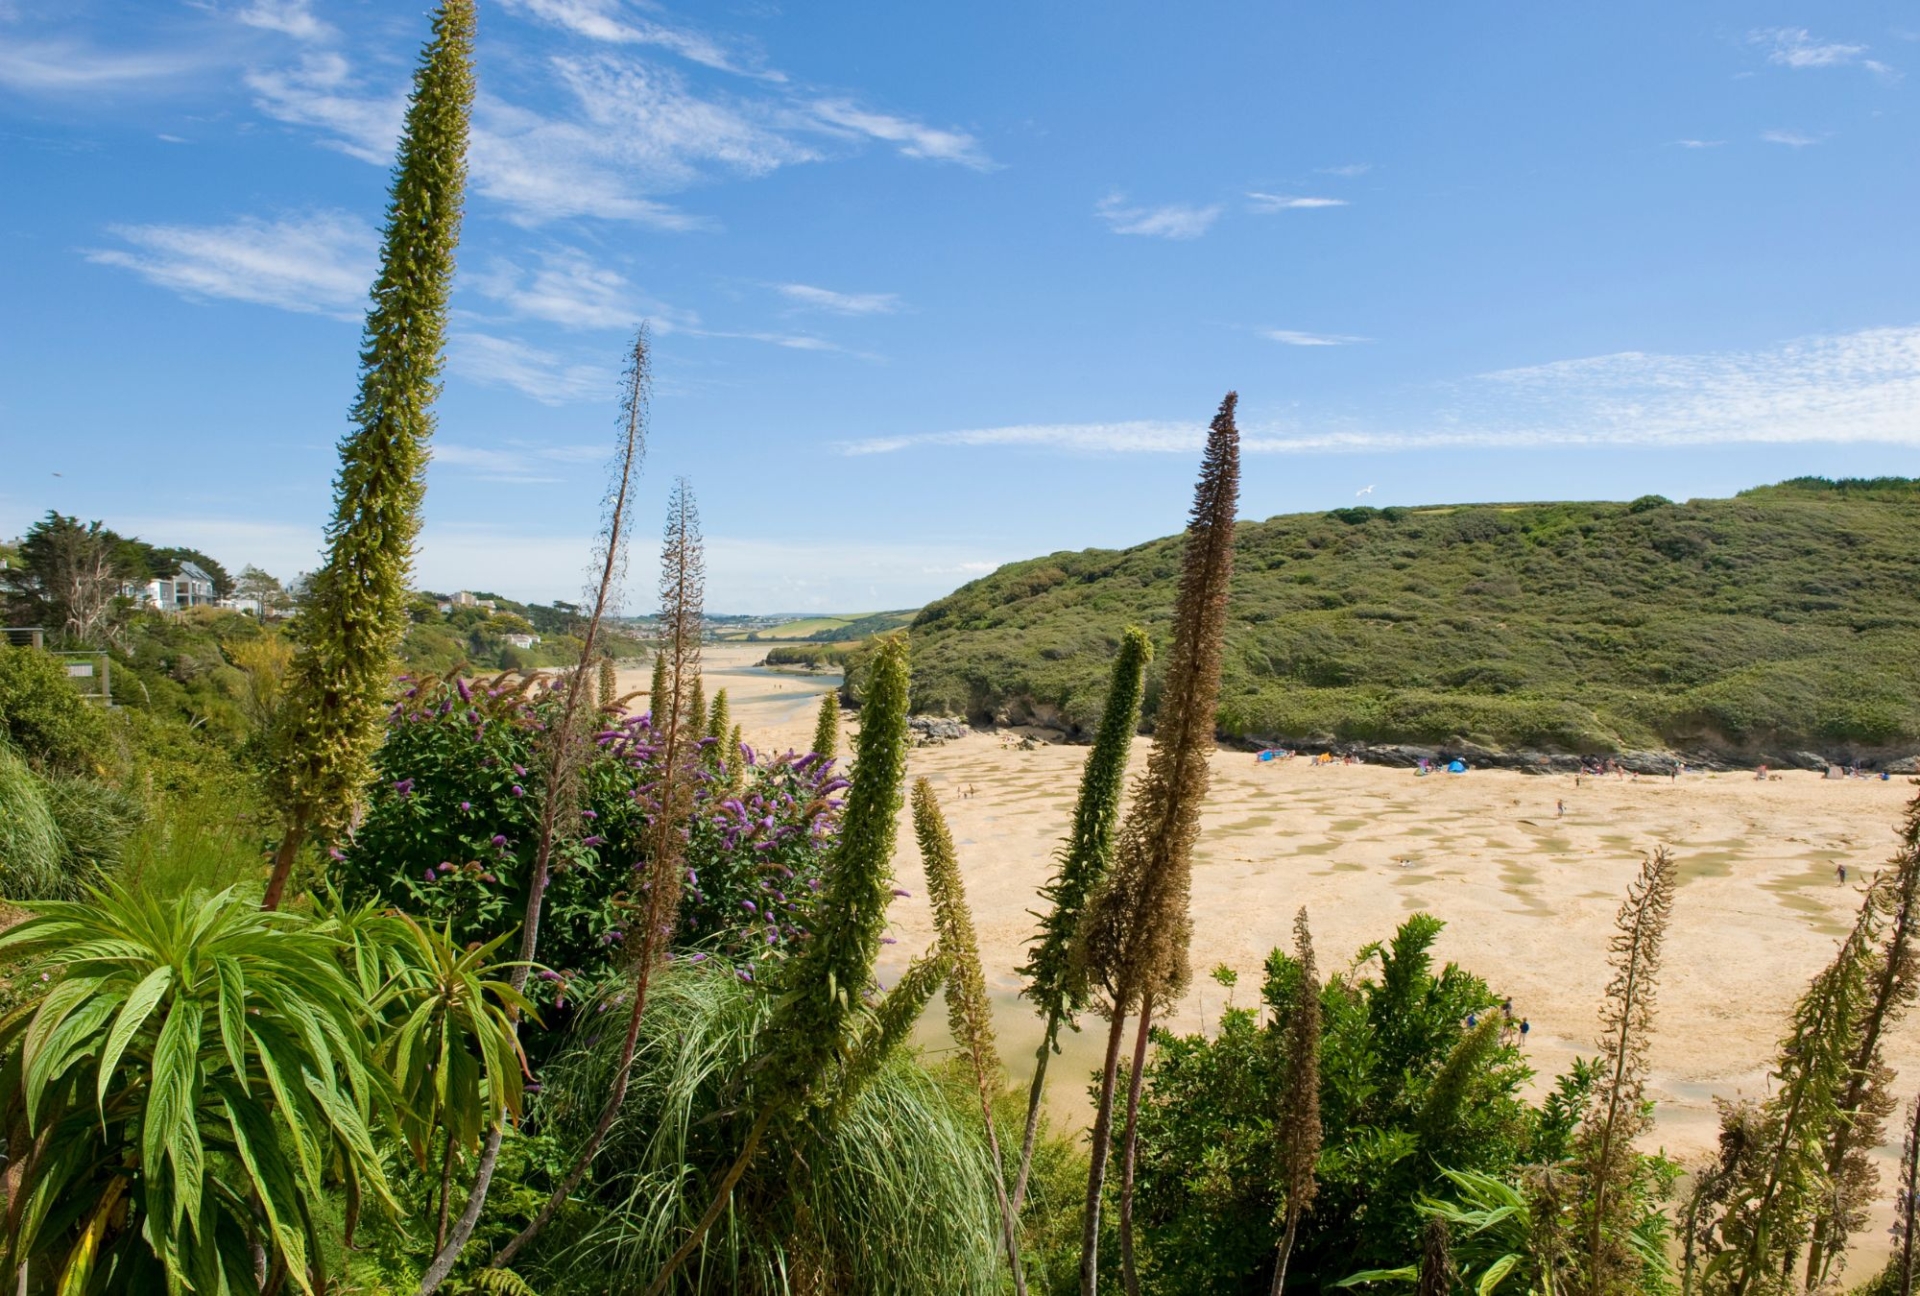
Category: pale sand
<point>1528,899</point>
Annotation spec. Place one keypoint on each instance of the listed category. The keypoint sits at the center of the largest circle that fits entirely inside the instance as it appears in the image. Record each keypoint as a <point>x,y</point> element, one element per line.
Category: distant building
<point>522,640</point>
<point>189,587</point>
<point>465,598</point>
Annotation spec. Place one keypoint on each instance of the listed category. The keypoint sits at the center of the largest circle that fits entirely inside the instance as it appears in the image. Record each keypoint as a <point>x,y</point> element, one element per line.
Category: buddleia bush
<point>453,823</point>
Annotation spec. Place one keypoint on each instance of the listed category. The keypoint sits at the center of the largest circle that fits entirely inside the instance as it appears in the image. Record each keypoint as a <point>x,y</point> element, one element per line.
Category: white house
<point>522,640</point>
<point>188,587</point>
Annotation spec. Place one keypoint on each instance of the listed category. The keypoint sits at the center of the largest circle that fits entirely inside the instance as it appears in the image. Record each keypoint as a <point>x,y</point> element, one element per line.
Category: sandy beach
<point>1528,896</point>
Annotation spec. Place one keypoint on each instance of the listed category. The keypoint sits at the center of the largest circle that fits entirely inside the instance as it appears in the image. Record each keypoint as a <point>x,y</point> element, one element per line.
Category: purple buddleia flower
<point>520,771</point>
<point>404,786</point>
<point>518,790</point>
<point>460,687</point>
<point>499,839</point>
<point>466,807</point>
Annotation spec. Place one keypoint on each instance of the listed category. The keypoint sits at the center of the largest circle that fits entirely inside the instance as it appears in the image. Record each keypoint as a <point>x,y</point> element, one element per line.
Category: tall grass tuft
<point>896,1198</point>
<point>31,851</point>
<point>195,844</point>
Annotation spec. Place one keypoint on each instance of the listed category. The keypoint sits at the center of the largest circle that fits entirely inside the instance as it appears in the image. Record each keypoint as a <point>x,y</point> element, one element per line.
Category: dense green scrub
<point>1784,618</point>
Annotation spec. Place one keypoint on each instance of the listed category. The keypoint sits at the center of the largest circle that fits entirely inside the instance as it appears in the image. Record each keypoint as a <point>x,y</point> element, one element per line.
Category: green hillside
<point>1786,618</point>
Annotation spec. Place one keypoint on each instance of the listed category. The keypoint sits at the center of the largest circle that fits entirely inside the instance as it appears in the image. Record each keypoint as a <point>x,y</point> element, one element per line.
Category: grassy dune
<point>1785,618</point>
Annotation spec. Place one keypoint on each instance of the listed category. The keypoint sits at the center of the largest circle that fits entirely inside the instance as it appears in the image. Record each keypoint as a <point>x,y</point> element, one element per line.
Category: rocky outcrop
<point>932,731</point>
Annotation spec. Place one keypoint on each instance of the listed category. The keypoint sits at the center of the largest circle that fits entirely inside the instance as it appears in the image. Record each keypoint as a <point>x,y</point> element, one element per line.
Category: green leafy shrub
<point>195,1076</point>
<point>44,717</point>
<point>1408,1087</point>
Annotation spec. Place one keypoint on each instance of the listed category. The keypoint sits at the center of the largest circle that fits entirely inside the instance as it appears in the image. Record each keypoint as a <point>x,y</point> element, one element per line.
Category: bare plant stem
<point>1034,1094</point>
<point>1097,1170</point>
<point>721,1197</point>
<point>1130,1145</point>
<point>562,767</point>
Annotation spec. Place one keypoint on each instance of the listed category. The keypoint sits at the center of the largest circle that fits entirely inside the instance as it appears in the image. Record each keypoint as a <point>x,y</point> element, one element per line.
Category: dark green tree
<point>67,575</point>
<point>1056,974</point>
<point>355,612</point>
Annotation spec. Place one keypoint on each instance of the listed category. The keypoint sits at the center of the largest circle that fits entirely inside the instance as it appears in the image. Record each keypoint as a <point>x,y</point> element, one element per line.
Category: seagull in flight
<point>1364,491</point>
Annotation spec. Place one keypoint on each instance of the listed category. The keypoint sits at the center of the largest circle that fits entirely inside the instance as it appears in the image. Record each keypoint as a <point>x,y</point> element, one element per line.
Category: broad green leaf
<point>133,1015</point>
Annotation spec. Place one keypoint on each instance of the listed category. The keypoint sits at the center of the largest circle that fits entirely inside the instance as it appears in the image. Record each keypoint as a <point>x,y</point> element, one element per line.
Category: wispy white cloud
<point>1850,388</point>
<point>1791,138</point>
<point>1795,47</point>
<point>515,462</point>
<point>1128,437</point>
<point>1173,221</point>
<point>551,379</point>
<point>610,21</point>
<point>1349,171</point>
<point>320,262</point>
<point>320,90</point>
<point>70,67</point>
<point>569,288</point>
<point>623,133</point>
<point>914,139</point>
<point>1293,337</point>
<point>1697,143</point>
<point>1266,202</point>
<point>289,17</point>
<point>787,341</point>
<point>838,302</point>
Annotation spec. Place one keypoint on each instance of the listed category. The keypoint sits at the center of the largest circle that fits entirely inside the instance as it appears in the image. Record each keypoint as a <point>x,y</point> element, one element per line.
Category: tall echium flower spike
<point>1138,923</point>
<point>682,599</point>
<point>1056,974</point>
<point>719,727</point>
<point>1604,1155</point>
<point>818,1011</point>
<point>568,742</point>
<point>826,729</point>
<point>969,1011</point>
<point>1852,1177</point>
<point>697,709</point>
<point>609,683</point>
<point>1299,1115</point>
<point>660,701</point>
<point>1907,1206</point>
<point>1770,1216</point>
<point>355,613</point>
<point>1437,1274</point>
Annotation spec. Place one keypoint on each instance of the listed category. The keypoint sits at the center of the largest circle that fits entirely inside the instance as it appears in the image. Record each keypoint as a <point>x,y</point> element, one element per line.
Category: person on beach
<point>1559,809</point>
<point>1525,1027</point>
<point>1841,869</point>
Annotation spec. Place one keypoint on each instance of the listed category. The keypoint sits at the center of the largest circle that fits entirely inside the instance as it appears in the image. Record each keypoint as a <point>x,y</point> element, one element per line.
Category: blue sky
<point>935,287</point>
